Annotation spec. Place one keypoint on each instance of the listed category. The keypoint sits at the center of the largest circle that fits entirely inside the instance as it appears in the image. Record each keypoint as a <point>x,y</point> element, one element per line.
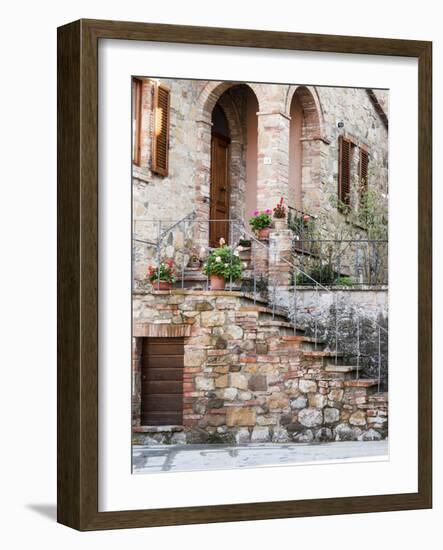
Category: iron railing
<point>351,262</point>
<point>179,241</point>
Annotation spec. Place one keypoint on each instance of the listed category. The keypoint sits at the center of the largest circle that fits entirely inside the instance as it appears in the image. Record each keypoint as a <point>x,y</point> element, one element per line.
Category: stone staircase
<point>324,363</point>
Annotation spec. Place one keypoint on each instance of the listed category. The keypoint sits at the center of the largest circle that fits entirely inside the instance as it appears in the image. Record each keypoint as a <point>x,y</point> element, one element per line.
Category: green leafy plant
<point>165,273</point>
<point>301,225</point>
<point>245,243</point>
<point>345,281</point>
<point>224,262</point>
<point>261,285</point>
<point>261,220</point>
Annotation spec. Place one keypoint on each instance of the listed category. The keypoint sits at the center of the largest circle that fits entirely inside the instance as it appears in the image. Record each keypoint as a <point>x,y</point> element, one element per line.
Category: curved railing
<point>161,232</point>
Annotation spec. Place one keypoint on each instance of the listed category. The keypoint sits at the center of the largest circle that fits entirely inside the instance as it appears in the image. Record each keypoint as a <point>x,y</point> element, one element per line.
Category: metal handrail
<point>246,234</point>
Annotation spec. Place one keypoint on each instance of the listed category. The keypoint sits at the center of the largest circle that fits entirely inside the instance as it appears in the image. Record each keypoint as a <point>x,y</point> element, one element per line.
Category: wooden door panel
<point>162,381</point>
<point>162,373</point>
<point>162,418</point>
<point>164,402</point>
<point>163,387</point>
<point>220,190</point>
<point>163,361</point>
<point>160,348</point>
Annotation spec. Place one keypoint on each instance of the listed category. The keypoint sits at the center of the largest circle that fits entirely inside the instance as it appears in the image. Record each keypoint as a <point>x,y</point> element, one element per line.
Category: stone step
<point>299,341</point>
<point>275,323</point>
<point>314,340</point>
<point>340,368</point>
<point>314,354</point>
<point>361,383</point>
<point>266,310</point>
<point>278,324</point>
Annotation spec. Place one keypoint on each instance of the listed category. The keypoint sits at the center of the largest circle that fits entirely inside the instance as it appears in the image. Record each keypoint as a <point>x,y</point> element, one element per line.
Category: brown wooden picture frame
<point>78,274</point>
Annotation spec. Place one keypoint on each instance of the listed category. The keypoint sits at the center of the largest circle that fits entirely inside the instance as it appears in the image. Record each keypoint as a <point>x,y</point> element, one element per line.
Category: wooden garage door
<point>162,381</point>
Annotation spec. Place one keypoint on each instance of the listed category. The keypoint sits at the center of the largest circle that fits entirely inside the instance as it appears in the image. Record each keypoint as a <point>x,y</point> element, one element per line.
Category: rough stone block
<point>370,435</point>
<point>307,386</point>
<point>242,436</point>
<point>310,417</point>
<point>257,382</point>
<point>240,416</point>
<point>213,318</point>
<point>194,357</point>
<point>358,418</point>
<point>317,400</point>
<point>299,402</point>
<point>204,384</point>
<point>331,415</point>
<point>278,401</point>
<point>222,381</point>
<point>260,434</point>
<point>238,380</point>
<point>280,435</point>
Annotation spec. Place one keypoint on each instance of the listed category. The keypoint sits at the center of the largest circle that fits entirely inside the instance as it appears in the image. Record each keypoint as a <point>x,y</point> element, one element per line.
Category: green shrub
<point>222,261</point>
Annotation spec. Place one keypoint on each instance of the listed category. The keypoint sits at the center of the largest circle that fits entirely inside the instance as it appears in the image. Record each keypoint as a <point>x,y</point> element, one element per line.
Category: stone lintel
<point>156,330</point>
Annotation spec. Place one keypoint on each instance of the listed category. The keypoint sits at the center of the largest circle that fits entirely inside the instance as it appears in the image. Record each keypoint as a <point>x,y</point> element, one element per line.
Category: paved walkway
<point>169,458</point>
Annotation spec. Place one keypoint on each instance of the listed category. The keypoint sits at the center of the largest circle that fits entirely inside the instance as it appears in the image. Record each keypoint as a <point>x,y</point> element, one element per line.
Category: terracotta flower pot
<point>264,233</point>
<point>162,285</point>
<point>217,282</point>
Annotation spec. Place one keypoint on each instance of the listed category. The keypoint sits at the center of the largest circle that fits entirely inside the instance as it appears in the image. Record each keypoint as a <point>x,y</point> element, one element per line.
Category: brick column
<point>202,184</point>
<point>280,252</point>
<point>273,158</point>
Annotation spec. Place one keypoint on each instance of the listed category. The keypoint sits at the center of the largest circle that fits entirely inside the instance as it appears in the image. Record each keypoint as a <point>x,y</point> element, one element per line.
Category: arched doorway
<point>305,137</point>
<point>295,153</point>
<point>233,171</point>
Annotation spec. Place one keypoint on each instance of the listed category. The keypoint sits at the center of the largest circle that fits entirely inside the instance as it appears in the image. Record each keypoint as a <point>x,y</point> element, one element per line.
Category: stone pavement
<point>169,458</point>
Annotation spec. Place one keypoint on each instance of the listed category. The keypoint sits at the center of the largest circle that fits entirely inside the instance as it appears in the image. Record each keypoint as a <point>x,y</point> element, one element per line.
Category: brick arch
<point>312,109</point>
<point>306,142</point>
<point>233,117</point>
<point>212,92</point>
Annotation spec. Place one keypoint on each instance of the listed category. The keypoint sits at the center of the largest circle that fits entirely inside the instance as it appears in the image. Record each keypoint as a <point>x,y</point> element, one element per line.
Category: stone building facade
<point>261,366</point>
<point>283,142</point>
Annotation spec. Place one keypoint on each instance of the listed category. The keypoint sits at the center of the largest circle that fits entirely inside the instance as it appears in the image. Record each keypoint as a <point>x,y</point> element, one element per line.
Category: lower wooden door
<point>162,381</point>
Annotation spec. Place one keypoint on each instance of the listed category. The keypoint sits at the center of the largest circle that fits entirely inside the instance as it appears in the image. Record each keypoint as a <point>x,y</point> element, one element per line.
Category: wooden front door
<point>219,194</point>
<point>162,381</point>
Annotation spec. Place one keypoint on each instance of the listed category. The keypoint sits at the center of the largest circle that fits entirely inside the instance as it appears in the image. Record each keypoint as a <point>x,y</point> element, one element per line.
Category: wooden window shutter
<point>160,138</point>
<point>363,170</point>
<point>136,119</point>
<point>344,171</point>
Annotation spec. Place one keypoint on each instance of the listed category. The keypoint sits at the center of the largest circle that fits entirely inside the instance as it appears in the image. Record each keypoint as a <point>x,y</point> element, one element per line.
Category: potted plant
<point>162,277</point>
<point>244,243</point>
<point>194,261</point>
<point>222,265</point>
<point>261,223</point>
<point>280,215</point>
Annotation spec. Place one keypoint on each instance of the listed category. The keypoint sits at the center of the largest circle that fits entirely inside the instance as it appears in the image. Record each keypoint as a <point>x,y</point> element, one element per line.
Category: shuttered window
<point>160,138</point>
<point>136,119</point>
<point>363,170</point>
<point>344,171</point>
<point>162,381</point>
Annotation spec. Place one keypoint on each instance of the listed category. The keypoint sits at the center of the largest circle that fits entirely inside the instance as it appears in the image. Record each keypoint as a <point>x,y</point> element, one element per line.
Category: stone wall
<point>248,378</point>
<point>355,316</point>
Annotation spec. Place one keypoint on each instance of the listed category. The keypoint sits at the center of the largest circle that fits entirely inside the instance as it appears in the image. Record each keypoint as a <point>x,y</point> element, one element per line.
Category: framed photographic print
<point>244,275</point>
